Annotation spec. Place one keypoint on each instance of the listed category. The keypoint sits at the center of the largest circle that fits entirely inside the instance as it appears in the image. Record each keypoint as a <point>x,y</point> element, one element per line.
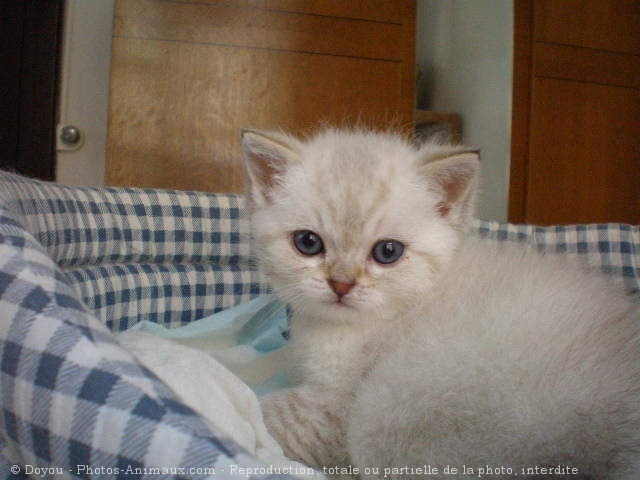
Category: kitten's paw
<point>285,427</point>
<point>306,431</point>
<point>272,407</point>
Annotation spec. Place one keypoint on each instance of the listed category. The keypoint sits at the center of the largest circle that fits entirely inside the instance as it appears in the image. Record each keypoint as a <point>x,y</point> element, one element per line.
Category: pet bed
<point>78,265</point>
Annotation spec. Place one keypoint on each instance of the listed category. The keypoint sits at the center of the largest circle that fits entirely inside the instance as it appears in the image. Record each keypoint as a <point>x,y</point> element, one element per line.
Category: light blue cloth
<point>247,331</point>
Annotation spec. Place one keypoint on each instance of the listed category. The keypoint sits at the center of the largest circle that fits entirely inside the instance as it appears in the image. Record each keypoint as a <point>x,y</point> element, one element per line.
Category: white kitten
<point>415,345</point>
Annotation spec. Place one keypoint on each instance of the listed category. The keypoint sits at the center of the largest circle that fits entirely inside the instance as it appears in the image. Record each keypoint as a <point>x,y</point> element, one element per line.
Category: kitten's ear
<point>454,178</point>
<point>266,156</point>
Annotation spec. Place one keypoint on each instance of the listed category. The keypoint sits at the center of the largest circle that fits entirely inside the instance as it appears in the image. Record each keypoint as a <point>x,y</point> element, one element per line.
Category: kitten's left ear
<point>266,157</point>
<point>454,178</point>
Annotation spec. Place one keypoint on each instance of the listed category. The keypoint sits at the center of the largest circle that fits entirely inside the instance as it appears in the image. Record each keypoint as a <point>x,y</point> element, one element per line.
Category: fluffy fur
<point>464,351</point>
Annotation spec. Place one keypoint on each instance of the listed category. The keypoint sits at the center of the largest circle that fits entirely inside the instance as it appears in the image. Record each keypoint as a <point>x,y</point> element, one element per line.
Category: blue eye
<point>387,251</point>
<point>308,242</point>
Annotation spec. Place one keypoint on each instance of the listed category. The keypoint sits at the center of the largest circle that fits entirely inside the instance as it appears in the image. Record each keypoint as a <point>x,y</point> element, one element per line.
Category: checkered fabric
<point>131,254</point>
<point>71,259</point>
<point>614,248</point>
<point>77,263</point>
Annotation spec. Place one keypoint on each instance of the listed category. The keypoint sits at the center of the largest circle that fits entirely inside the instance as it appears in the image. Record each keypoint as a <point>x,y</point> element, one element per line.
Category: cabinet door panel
<point>610,25</point>
<point>187,76</point>
<point>584,154</point>
<point>575,154</point>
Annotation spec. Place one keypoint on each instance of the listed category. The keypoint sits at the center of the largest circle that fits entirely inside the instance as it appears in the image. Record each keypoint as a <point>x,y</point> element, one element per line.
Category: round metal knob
<point>70,135</point>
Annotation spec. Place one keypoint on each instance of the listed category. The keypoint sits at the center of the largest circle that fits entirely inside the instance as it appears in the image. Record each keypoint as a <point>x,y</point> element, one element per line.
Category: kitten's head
<point>350,226</point>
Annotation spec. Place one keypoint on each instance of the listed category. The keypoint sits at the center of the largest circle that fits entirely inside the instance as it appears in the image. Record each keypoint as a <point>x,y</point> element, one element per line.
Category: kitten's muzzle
<point>340,288</point>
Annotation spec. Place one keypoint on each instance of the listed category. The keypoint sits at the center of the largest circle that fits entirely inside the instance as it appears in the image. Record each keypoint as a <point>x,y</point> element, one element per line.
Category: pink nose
<point>341,288</point>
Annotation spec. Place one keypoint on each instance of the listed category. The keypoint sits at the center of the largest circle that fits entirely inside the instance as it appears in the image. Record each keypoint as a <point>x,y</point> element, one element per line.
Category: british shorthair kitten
<point>414,344</point>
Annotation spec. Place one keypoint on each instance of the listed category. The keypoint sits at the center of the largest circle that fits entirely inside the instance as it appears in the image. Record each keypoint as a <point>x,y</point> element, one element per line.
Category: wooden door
<point>186,76</point>
<point>576,112</point>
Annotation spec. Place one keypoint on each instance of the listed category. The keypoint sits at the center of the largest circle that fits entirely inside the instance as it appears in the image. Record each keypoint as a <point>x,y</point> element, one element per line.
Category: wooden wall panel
<point>186,76</point>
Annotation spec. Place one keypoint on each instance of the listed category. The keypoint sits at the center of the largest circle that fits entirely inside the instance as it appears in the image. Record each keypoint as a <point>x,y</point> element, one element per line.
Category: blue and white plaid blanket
<point>77,264</point>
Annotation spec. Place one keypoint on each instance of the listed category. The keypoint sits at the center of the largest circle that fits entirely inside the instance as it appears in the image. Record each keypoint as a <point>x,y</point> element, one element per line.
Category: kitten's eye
<point>387,251</point>
<point>308,242</point>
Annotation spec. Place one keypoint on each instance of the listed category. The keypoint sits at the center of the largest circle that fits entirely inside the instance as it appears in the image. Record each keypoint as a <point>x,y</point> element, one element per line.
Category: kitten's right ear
<point>454,177</point>
<point>266,157</point>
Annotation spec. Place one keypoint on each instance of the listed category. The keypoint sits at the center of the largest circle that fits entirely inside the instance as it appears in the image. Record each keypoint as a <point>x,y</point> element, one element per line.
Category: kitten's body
<point>516,360</point>
<point>462,351</point>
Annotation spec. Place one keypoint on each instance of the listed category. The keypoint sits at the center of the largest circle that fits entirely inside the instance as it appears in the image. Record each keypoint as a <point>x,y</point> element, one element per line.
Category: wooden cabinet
<point>186,76</point>
<point>576,112</point>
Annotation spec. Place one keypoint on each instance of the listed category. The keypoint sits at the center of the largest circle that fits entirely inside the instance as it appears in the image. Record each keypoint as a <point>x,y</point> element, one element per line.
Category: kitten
<point>415,344</point>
